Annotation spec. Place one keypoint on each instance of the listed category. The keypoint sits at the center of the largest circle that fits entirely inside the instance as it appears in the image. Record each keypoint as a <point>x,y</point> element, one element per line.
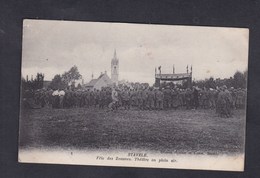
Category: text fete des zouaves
<point>142,157</point>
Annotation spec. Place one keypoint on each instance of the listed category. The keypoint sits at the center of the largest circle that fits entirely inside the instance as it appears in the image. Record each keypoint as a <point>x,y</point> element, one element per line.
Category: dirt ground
<point>180,131</point>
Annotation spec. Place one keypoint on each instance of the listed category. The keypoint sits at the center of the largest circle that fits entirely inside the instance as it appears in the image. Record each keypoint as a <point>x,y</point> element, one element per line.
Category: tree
<point>33,84</point>
<point>145,85</point>
<point>71,76</point>
<point>57,83</point>
<point>38,81</point>
<point>239,80</point>
<point>210,83</point>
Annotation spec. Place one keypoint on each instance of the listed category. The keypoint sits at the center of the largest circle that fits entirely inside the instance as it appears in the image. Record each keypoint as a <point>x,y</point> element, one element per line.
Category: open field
<point>180,131</point>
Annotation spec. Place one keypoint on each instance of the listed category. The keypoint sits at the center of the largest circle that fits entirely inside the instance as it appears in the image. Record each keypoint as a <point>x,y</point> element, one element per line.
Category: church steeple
<point>114,68</point>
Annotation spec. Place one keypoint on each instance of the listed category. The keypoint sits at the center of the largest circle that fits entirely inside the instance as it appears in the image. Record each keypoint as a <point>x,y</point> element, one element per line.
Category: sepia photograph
<point>133,95</point>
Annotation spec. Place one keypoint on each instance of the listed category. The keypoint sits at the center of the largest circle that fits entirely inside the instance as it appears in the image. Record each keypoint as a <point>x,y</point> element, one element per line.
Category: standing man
<point>159,99</point>
<point>174,98</point>
<point>144,98</point>
<point>150,99</point>
<point>195,98</point>
<point>87,98</point>
<point>188,98</point>
<point>204,98</point>
<point>56,98</point>
<point>125,98</point>
<point>101,98</point>
<point>96,97</point>
<point>139,98</point>
<point>228,98</point>
<point>114,104</point>
<point>167,97</point>
<point>61,95</point>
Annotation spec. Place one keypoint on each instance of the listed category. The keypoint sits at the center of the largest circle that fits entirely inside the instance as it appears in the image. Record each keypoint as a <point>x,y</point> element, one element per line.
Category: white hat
<point>55,93</point>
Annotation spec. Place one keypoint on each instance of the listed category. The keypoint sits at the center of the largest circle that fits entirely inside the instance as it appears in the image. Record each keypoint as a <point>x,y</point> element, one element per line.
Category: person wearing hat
<point>159,99</point>
<point>125,95</point>
<point>139,98</point>
<point>114,95</point>
<point>212,103</point>
<point>134,98</point>
<point>229,101</point>
<point>223,102</point>
<point>188,98</point>
<point>61,98</point>
<point>55,101</point>
<point>195,98</point>
<point>150,98</point>
<point>167,100</point>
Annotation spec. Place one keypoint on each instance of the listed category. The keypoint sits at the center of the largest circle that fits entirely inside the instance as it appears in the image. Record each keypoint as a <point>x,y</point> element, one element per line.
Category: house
<point>102,81</point>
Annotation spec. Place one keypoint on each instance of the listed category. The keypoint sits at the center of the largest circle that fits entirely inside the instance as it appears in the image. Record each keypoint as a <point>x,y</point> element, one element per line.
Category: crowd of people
<point>222,99</point>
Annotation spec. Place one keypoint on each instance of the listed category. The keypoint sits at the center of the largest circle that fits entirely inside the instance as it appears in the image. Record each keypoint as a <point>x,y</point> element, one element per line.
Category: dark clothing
<point>195,98</point>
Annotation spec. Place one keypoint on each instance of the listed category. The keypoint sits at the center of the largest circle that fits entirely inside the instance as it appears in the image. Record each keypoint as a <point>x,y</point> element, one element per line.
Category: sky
<point>53,47</point>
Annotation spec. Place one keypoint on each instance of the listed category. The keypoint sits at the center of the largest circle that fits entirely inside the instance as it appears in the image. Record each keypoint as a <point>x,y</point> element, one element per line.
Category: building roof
<point>91,83</point>
<point>103,77</point>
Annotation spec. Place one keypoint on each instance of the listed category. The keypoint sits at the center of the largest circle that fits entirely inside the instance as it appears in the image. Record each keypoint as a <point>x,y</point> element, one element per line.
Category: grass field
<point>180,131</point>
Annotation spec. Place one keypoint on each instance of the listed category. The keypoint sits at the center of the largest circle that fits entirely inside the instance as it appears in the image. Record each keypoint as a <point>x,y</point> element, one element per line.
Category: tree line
<point>238,80</point>
<point>33,83</point>
<point>68,78</point>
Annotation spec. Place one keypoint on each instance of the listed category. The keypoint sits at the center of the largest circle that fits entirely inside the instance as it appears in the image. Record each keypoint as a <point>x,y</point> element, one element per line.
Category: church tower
<point>114,69</point>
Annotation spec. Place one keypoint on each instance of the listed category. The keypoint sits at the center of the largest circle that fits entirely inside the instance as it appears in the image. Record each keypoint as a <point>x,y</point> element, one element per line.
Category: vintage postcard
<point>133,95</point>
